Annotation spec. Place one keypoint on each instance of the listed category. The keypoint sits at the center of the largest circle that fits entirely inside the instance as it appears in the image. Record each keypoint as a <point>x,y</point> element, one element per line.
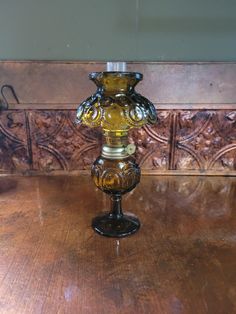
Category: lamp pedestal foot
<point>115,224</point>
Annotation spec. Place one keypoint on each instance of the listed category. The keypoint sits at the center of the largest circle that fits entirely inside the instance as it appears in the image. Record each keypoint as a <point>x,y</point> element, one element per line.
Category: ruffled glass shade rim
<point>98,75</point>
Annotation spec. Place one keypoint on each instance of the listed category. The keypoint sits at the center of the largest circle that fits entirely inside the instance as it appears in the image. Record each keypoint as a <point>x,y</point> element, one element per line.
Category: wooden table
<point>182,260</point>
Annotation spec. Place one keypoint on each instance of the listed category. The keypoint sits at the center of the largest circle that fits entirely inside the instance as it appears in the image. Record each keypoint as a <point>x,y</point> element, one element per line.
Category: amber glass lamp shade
<point>116,108</point>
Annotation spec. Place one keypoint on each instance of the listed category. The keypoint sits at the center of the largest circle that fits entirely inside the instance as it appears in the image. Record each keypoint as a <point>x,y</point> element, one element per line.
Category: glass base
<point>110,225</point>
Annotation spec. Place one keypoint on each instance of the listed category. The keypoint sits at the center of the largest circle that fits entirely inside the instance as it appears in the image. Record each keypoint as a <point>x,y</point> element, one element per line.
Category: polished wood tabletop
<point>182,260</point>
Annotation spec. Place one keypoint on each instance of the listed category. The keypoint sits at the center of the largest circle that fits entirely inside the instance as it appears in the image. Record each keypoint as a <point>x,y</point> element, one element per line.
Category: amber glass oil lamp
<point>116,108</point>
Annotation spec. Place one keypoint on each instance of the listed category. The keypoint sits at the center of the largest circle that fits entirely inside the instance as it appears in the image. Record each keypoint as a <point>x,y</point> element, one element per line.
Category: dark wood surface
<point>182,260</point>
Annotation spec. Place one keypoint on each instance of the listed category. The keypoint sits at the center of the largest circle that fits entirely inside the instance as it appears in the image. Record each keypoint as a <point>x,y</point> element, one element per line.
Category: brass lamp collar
<point>118,152</point>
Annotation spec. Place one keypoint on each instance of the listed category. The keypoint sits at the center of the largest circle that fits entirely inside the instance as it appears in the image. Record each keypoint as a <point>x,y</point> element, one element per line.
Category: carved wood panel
<point>205,140</point>
<point>59,144</point>
<point>182,140</point>
<point>15,152</point>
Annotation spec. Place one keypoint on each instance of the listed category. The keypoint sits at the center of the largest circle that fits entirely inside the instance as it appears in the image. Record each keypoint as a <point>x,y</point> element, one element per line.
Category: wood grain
<point>182,260</point>
<point>55,83</point>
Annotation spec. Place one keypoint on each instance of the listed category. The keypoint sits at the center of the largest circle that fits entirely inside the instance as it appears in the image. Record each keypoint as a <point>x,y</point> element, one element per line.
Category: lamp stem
<point>116,209</point>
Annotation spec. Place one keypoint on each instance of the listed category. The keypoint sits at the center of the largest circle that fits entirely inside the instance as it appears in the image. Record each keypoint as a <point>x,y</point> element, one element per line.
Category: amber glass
<point>115,176</point>
<point>116,108</point>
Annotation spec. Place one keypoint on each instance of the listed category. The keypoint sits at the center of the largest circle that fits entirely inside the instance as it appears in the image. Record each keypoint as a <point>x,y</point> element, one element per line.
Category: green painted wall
<point>135,30</point>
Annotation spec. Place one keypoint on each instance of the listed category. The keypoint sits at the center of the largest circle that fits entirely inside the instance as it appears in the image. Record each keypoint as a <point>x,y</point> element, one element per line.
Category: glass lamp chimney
<point>116,66</point>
